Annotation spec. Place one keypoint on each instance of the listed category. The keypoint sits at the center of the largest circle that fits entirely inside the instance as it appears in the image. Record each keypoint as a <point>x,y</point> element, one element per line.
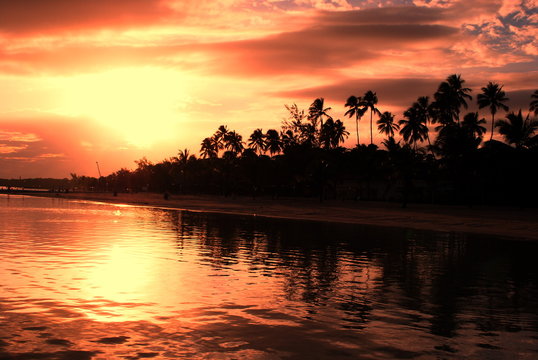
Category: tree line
<point>434,153</point>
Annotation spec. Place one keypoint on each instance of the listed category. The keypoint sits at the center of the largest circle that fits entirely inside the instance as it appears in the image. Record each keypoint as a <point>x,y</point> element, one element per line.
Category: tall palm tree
<point>516,130</point>
<point>423,109</point>
<point>413,129</point>
<point>449,98</point>
<point>386,124</point>
<point>534,103</point>
<point>209,148</point>
<point>355,109</point>
<point>317,111</point>
<point>369,101</point>
<point>459,92</point>
<point>494,97</point>
<point>219,137</point>
<point>257,141</point>
<point>274,143</point>
<point>233,142</point>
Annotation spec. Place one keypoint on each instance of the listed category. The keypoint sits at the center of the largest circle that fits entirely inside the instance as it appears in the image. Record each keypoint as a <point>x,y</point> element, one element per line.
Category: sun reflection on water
<point>132,282</point>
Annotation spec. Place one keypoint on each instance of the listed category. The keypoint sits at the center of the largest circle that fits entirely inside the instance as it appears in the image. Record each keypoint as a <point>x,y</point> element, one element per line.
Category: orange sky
<point>112,81</point>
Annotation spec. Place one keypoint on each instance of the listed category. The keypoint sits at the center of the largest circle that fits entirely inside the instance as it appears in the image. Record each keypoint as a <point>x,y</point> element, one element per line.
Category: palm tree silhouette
<point>386,124</point>
<point>219,136</point>
<point>369,101</point>
<point>333,133</point>
<point>413,129</point>
<point>459,92</point>
<point>257,141</point>
<point>183,156</point>
<point>355,109</point>
<point>473,125</point>
<point>516,130</point>
<point>449,98</point>
<point>209,148</point>
<point>317,111</point>
<point>423,109</point>
<point>274,144</point>
<point>494,97</point>
<point>233,142</point>
<point>534,103</point>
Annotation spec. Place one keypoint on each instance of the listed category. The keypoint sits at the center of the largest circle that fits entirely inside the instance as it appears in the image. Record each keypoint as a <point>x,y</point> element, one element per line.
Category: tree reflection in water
<point>78,282</point>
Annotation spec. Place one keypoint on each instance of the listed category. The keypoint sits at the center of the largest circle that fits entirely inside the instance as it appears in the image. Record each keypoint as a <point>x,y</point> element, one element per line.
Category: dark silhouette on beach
<point>440,156</point>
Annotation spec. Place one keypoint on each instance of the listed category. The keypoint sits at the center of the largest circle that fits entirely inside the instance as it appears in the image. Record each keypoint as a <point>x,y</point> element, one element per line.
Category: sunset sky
<point>112,81</point>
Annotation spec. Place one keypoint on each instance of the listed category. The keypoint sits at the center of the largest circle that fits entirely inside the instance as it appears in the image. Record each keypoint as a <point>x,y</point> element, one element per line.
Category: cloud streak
<point>46,16</point>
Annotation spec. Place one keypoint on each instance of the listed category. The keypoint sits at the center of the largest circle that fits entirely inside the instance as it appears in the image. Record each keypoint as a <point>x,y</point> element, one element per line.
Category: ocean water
<point>83,280</point>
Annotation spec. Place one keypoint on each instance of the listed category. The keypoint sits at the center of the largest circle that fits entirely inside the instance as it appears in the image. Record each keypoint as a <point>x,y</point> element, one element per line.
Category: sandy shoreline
<point>505,222</point>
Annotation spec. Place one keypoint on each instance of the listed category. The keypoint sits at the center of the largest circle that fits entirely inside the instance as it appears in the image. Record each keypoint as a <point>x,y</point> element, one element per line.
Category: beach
<point>507,222</point>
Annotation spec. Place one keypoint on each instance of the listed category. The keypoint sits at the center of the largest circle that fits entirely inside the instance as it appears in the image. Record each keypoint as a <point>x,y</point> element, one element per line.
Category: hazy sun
<point>141,104</point>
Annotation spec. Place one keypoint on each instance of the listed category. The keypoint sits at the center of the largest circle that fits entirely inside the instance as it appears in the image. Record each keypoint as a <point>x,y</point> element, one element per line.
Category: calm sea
<point>82,280</point>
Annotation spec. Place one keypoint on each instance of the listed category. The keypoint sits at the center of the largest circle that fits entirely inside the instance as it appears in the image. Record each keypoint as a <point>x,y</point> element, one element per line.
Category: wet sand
<point>499,221</point>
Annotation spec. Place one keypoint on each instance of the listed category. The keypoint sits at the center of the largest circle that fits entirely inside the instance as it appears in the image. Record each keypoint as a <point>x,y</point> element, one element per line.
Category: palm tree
<point>473,126</point>
<point>340,133</point>
<point>355,109</point>
<point>369,101</point>
<point>516,130</point>
<point>534,103</point>
<point>233,142</point>
<point>257,141</point>
<point>423,110</point>
<point>219,137</point>
<point>209,148</point>
<point>316,111</point>
<point>333,133</point>
<point>183,156</point>
<point>413,129</point>
<point>274,144</point>
<point>386,125</point>
<point>459,92</point>
<point>449,98</point>
<point>494,97</point>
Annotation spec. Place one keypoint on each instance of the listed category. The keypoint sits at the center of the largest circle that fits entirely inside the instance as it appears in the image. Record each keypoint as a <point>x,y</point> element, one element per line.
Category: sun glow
<point>141,104</point>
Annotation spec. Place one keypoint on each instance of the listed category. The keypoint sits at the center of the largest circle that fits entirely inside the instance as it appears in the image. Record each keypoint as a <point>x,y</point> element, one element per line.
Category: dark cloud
<point>384,15</point>
<point>321,48</point>
<point>316,49</point>
<point>519,100</point>
<point>460,10</point>
<point>44,16</point>
<point>396,92</point>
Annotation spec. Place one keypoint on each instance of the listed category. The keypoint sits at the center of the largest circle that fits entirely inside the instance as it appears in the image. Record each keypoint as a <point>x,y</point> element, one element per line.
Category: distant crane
<point>98,170</point>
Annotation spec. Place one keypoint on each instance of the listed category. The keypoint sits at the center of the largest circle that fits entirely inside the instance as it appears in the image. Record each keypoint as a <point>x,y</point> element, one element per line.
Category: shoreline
<point>506,222</point>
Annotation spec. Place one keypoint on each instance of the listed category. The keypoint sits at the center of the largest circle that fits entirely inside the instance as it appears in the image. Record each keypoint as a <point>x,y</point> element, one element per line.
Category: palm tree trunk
<point>371,131</point>
<point>357,128</point>
<point>492,126</point>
